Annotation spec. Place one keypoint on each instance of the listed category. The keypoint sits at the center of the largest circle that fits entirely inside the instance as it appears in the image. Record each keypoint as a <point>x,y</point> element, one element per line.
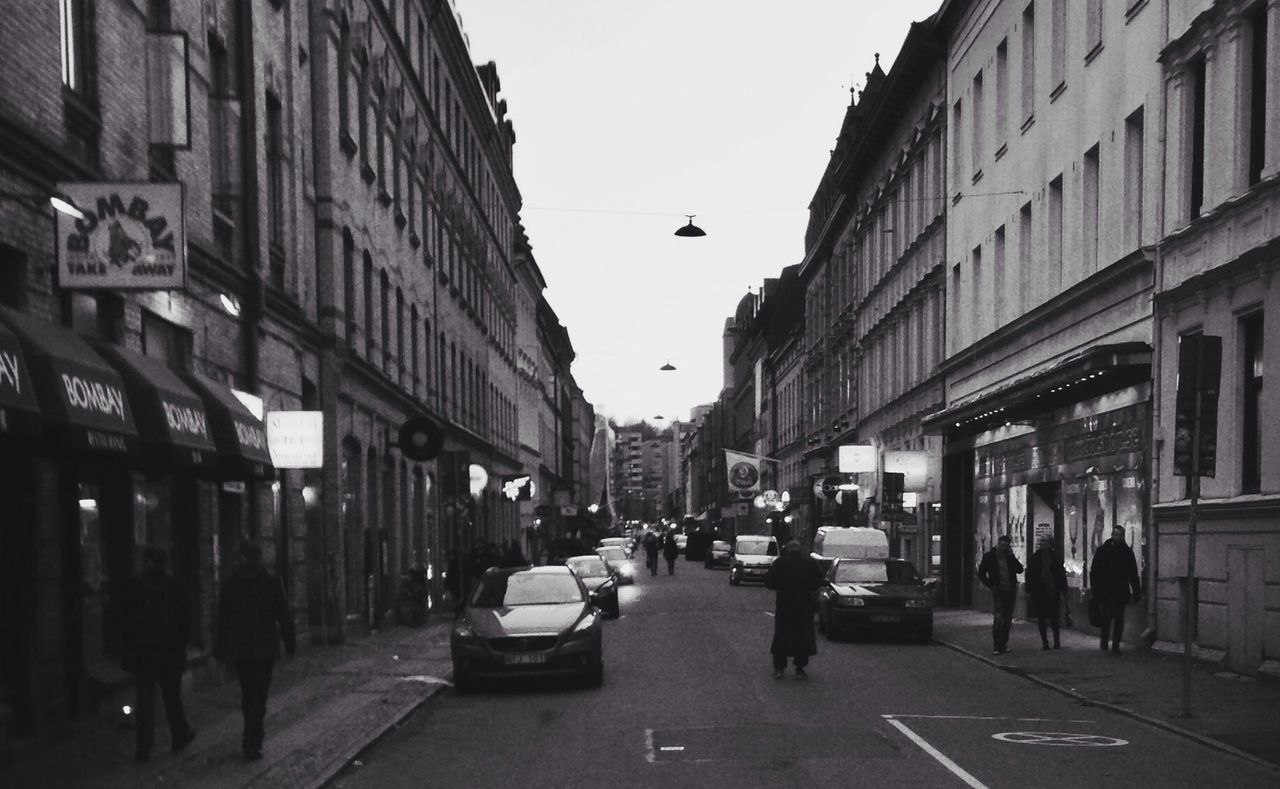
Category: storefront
<point>1065,454</point>
<point>103,451</point>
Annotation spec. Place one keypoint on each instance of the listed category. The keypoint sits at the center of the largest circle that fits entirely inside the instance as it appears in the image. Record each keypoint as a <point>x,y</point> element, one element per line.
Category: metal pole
<point>1188,606</point>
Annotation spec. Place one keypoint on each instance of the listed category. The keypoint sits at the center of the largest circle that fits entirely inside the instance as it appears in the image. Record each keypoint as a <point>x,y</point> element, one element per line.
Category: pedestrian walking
<point>999,571</point>
<point>253,617</point>
<point>795,577</point>
<point>670,551</point>
<point>651,552</point>
<point>1115,583</point>
<point>154,650</point>
<point>1047,585</point>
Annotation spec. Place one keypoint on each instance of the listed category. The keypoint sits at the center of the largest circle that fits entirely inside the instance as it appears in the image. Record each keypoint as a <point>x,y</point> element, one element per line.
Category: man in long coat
<point>1112,577</point>
<point>795,577</point>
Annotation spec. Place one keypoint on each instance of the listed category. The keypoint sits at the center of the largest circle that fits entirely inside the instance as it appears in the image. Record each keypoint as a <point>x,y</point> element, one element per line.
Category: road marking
<point>985,718</point>
<point>768,613</point>
<point>1059,738</point>
<point>942,759</point>
<point>671,747</point>
<point>648,745</point>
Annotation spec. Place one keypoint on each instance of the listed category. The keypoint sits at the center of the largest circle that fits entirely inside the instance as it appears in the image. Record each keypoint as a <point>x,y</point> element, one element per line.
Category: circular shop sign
<point>1059,738</point>
<point>743,475</point>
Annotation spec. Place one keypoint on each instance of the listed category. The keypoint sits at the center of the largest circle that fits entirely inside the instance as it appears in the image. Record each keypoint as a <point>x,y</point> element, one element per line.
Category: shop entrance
<point>17,584</point>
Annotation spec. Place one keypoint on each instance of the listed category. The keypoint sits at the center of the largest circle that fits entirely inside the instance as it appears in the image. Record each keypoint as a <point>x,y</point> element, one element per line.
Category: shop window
<point>13,278</point>
<point>166,341</point>
<point>1251,332</point>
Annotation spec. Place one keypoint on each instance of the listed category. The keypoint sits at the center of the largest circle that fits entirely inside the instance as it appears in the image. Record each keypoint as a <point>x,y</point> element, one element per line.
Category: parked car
<point>601,582</point>
<point>621,542</point>
<point>883,594</point>
<point>848,542</point>
<point>616,557</point>
<point>527,621</point>
<point>719,554</point>
<point>752,556</point>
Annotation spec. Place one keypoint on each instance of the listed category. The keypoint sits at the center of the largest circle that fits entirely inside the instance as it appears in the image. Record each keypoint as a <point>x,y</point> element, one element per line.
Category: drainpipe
<point>1153,461</point>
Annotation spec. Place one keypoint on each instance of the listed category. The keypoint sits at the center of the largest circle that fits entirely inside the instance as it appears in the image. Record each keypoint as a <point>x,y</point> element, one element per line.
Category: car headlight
<point>584,627</point>
<point>463,632</point>
<point>850,602</point>
<point>626,570</point>
<point>922,603</point>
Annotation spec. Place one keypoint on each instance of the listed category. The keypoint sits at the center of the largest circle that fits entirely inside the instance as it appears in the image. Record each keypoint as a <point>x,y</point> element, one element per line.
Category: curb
<point>1159,723</point>
<point>348,754</point>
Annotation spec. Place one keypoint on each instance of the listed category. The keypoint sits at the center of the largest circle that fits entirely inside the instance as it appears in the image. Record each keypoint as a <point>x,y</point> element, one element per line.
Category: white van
<point>848,542</point>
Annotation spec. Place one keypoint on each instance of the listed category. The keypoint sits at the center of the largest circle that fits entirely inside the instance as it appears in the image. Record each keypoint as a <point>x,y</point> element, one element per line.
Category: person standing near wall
<point>1113,577</point>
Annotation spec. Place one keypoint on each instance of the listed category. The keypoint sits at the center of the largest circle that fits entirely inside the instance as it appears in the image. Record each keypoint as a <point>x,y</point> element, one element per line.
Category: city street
<point>689,700</point>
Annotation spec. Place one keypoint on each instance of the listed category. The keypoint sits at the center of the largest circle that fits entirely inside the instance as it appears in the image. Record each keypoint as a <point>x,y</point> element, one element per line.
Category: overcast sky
<point>630,113</point>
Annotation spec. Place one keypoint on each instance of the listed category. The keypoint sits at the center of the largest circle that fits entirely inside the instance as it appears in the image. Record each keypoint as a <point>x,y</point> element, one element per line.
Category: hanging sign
<point>296,439</point>
<point>853,458</point>
<point>131,237</point>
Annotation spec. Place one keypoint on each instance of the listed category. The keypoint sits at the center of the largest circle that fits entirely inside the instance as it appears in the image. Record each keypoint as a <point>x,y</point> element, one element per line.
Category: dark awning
<point>19,408</point>
<point>239,435</point>
<point>81,396</point>
<point>172,423</point>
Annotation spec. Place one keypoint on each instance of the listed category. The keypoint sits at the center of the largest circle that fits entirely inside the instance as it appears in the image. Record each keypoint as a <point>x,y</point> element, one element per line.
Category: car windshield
<point>719,546</point>
<point>757,547</point>
<point>875,572</point>
<point>511,589</point>
<point>612,554</point>
<point>589,568</point>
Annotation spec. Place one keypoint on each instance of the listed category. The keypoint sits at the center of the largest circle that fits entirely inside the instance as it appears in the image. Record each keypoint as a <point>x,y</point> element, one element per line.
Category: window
<point>366,106</point>
<point>275,187</point>
<point>399,361</point>
<point>442,383</point>
<point>345,66</point>
<point>955,303</point>
<point>1196,119</point>
<point>224,148</point>
<point>1252,430</point>
<point>1057,45</point>
<point>13,278</point>
<point>1089,211</point>
<point>74,27</point>
<point>1093,28</point>
<point>1055,228</point>
<point>426,360</point>
<point>1134,145</point>
<point>165,341</point>
<point>1002,94</point>
<point>1257,104</point>
<point>977,125</point>
<point>1024,256</point>
<point>349,285</point>
<point>998,276</point>
<point>368,307</point>
<point>422,55</point>
<point>1028,62</point>
<point>975,288</point>
<point>957,118</point>
<point>384,303</point>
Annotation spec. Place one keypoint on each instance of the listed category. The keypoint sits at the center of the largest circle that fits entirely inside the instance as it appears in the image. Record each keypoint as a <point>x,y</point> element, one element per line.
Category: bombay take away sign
<point>130,238</point>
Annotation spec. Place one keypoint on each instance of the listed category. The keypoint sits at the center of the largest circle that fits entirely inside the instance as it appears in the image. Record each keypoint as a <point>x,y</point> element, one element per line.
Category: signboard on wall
<point>131,236</point>
<point>295,439</point>
<point>852,458</point>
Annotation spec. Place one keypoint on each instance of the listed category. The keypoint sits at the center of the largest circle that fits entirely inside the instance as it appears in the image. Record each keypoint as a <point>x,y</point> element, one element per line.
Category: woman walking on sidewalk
<point>1046,584</point>
<point>253,617</point>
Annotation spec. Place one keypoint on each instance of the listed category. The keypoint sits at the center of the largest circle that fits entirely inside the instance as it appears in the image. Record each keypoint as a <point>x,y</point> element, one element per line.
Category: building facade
<point>1052,184</point>
<point>1219,255</point>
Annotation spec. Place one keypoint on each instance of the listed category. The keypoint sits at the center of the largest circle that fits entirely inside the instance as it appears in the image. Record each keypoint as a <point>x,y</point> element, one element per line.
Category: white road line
<point>942,759</point>
<point>671,747</point>
<point>648,745</point>
<point>984,718</point>
<point>768,613</point>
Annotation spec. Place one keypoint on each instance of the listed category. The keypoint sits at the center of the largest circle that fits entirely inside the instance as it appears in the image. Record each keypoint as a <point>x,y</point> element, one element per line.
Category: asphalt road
<point>689,700</point>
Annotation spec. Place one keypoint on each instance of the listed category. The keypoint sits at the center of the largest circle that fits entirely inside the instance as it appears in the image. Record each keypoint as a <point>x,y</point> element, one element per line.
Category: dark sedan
<point>875,594</point>
<point>601,581</point>
<point>528,621</point>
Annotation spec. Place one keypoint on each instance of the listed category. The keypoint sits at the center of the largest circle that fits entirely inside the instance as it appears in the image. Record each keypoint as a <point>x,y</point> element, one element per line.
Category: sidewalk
<point>325,707</point>
<point>1239,715</point>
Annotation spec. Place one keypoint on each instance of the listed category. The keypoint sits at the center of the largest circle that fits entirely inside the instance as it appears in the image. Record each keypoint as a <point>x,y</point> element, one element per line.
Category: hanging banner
<point>744,474</point>
<point>131,237</point>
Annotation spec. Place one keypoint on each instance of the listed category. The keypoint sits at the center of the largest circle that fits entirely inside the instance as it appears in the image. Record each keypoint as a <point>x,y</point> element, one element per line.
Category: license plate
<point>884,618</point>
<point>525,659</point>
